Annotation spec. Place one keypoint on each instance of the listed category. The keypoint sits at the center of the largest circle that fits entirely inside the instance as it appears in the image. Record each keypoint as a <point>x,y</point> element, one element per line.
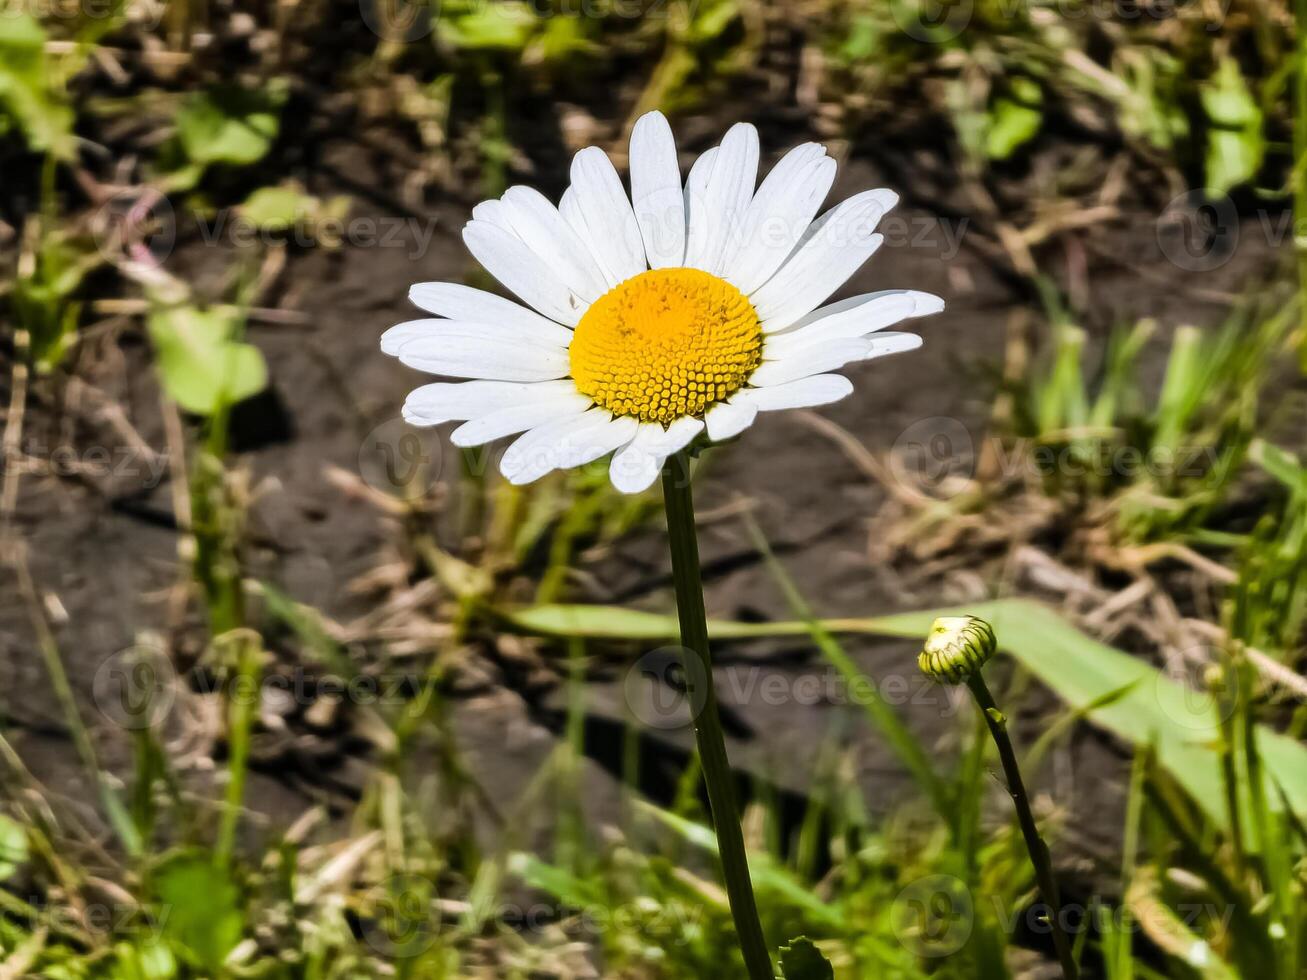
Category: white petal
<point>819,389</point>
<point>493,213</point>
<point>817,359</point>
<point>831,251</point>
<point>638,464</point>
<point>600,211</point>
<point>572,441</point>
<point>728,419</point>
<point>871,312</point>
<point>779,214</point>
<point>433,331</point>
<point>656,195</point>
<point>716,220</point>
<point>892,343</point>
<point>542,228</point>
<point>513,419</point>
<point>459,302</point>
<point>924,304</point>
<point>494,359</point>
<point>523,272</point>
<point>443,401</point>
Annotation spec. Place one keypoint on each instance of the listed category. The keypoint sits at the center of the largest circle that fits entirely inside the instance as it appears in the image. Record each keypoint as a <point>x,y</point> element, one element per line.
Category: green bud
<point>956,647</point>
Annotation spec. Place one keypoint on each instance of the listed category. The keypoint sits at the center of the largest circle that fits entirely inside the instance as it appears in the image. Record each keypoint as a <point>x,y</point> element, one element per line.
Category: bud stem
<point>1039,855</point>
<point>707,722</point>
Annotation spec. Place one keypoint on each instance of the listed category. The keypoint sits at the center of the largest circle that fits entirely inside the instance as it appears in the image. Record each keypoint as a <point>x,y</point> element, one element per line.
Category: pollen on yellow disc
<point>666,344</point>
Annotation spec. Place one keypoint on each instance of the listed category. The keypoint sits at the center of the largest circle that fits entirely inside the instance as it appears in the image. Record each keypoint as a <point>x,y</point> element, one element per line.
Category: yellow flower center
<point>666,344</point>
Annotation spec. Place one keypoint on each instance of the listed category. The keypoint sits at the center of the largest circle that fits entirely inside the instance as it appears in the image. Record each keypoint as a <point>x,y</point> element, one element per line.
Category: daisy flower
<point>650,318</point>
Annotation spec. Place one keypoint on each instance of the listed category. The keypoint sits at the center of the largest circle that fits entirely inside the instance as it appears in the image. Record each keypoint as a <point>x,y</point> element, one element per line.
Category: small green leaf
<point>1014,120</point>
<point>801,960</point>
<point>200,910</point>
<point>228,125</point>
<point>26,93</point>
<point>13,846</point>
<point>201,367</point>
<point>490,27</point>
<point>1235,143</point>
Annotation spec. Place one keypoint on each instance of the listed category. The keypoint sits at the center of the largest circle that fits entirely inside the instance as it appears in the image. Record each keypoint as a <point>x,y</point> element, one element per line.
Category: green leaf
<point>228,125</point>
<point>801,960</point>
<point>200,910</point>
<point>278,208</point>
<point>1282,465</point>
<point>1235,143</point>
<point>1154,708</point>
<point>490,27</point>
<point>27,91</point>
<point>770,878</point>
<point>13,846</point>
<point>1014,120</point>
<point>199,364</point>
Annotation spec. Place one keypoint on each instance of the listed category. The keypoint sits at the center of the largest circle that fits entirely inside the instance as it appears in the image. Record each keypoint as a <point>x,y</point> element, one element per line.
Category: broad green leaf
<point>801,960</point>
<point>1014,120</point>
<point>1235,143</point>
<point>199,909</point>
<point>228,125</point>
<point>490,27</point>
<point>562,884</point>
<point>29,92</point>
<point>13,846</point>
<point>278,208</point>
<point>151,960</point>
<point>1180,721</point>
<point>201,367</point>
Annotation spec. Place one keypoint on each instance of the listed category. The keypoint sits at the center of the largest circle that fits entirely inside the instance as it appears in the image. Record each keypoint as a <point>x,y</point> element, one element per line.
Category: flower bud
<point>956,647</point>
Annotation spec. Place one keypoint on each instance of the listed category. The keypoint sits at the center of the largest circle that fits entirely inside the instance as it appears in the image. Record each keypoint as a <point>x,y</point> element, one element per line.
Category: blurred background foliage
<point>127,124</point>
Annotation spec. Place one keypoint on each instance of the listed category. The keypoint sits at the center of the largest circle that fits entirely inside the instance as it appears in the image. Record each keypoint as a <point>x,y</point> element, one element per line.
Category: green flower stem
<point>707,722</point>
<point>1039,856</point>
